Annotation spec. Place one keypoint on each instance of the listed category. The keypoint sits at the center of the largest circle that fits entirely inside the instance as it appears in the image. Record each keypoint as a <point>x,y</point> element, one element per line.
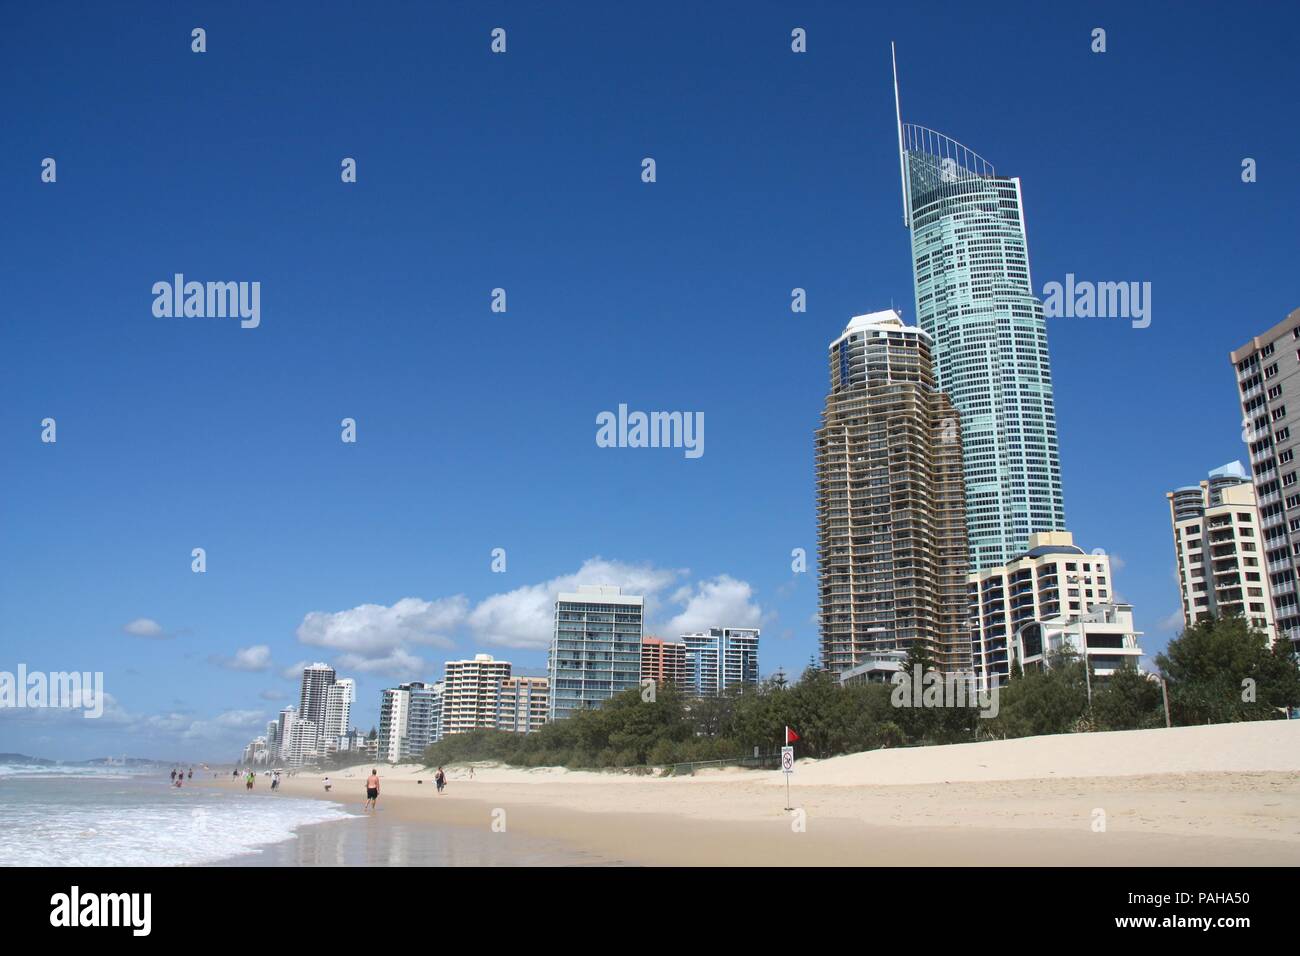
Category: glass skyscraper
<point>975,299</point>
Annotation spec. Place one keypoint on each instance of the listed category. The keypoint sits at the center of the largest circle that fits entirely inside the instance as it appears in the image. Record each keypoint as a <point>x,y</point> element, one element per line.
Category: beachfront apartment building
<point>408,720</point>
<point>316,680</point>
<point>663,662</point>
<point>1105,633</point>
<point>300,742</point>
<point>394,708</point>
<point>720,658</point>
<point>337,717</point>
<point>1054,579</point>
<point>891,531</point>
<point>472,693</point>
<point>1219,544</point>
<point>524,704</point>
<point>595,648</point>
<point>975,301</point>
<point>1268,384</point>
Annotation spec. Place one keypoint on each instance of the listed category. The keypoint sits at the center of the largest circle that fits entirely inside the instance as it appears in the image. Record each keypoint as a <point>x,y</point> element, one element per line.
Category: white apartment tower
<point>471,692</point>
<point>524,704</point>
<point>1219,542</point>
<point>339,698</point>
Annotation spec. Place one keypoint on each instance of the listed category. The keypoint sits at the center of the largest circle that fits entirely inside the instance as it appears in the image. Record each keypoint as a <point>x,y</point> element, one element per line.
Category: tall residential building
<point>1220,547</point>
<point>664,662</point>
<point>471,690</point>
<point>524,704</point>
<point>394,709</point>
<point>975,299</point>
<point>337,717</point>
<point>300,744</point>
<point>596,648</point>
<point>316,681</point>
<point>719,658</point>
<point>423,716</point>
<point>891,530</point>
<point>409,716</point>
<point>1052,580</point>
<point>1268,379</point>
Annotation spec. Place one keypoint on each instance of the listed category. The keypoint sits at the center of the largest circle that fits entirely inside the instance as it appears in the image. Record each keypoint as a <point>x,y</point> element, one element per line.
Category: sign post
<point>787,767</point>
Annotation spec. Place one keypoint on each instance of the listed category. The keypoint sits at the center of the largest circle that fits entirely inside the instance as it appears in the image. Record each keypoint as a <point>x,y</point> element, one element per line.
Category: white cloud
<point>1172,622</point>
<point>525,617</point>
<point>145,627</point>
<point>373,631</point>
<point>255,658</point>
<point>399,663</point>
<point>383,640</point>
<point>720,602</point>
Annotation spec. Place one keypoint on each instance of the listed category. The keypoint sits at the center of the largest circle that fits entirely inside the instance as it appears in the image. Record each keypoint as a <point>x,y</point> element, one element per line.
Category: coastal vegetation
<point>1217,671</point>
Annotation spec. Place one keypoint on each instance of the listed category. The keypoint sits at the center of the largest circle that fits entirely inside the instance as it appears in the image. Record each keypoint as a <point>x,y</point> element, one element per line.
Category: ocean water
<point>109,816</point>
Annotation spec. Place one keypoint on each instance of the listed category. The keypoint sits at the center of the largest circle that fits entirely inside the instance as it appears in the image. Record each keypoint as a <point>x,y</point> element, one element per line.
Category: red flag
<point>790,736</point>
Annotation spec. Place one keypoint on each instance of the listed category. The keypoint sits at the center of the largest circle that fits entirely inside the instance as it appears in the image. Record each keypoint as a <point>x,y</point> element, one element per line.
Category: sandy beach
<point>1217,795</point>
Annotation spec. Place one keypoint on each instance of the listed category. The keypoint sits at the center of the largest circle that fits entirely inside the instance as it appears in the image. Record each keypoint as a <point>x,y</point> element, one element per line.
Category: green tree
<point>1222,670</point>
<point>1127,700</point>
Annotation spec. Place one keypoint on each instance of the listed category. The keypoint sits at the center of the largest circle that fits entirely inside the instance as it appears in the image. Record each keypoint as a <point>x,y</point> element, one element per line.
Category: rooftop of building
<point>1291,322</point>
<point>883,321</point>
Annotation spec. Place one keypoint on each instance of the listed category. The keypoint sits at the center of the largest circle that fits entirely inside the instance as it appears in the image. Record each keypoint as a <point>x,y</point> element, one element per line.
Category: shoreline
<point>1222,795</point>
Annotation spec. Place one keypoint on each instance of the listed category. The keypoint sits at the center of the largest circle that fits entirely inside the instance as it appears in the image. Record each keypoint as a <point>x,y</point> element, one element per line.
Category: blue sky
<point>476,429</point>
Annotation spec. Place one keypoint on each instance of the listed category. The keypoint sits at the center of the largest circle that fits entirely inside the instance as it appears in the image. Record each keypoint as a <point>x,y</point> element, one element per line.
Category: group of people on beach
<point>179,776</point>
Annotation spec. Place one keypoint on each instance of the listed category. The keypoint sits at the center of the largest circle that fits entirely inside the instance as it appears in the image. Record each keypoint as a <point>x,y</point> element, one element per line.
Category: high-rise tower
<point>316,681</point>
<point>891,529</point>
<point>975,299</point>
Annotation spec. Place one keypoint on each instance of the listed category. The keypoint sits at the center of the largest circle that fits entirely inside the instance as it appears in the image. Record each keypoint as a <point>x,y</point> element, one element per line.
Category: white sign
<point>787,760</point>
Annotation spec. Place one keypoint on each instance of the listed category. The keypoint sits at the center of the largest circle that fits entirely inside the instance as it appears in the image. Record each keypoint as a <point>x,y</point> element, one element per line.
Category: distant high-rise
<point>975,299</point>
<point>524,704</point>
<point>1220,548</point>
<point>596,647</point>
<point>664,662</point>
<point>316,680</point>
<point>471,691</point>
<point>408,720</point>
<point>1268,379</point>
<point>339,698</point>
<point>891,531</point>
<point>719,658</point>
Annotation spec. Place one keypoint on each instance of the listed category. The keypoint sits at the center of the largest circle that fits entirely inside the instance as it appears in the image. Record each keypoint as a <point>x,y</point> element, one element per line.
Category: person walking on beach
<point>190,775</point>
<point>173,774</point>
<point>440,779</point>
<point>249,780</point>
<point>372,789</point>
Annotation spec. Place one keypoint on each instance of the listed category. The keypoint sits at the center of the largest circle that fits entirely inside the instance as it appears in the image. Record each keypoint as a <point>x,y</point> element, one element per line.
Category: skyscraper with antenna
<point>975,299</point>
